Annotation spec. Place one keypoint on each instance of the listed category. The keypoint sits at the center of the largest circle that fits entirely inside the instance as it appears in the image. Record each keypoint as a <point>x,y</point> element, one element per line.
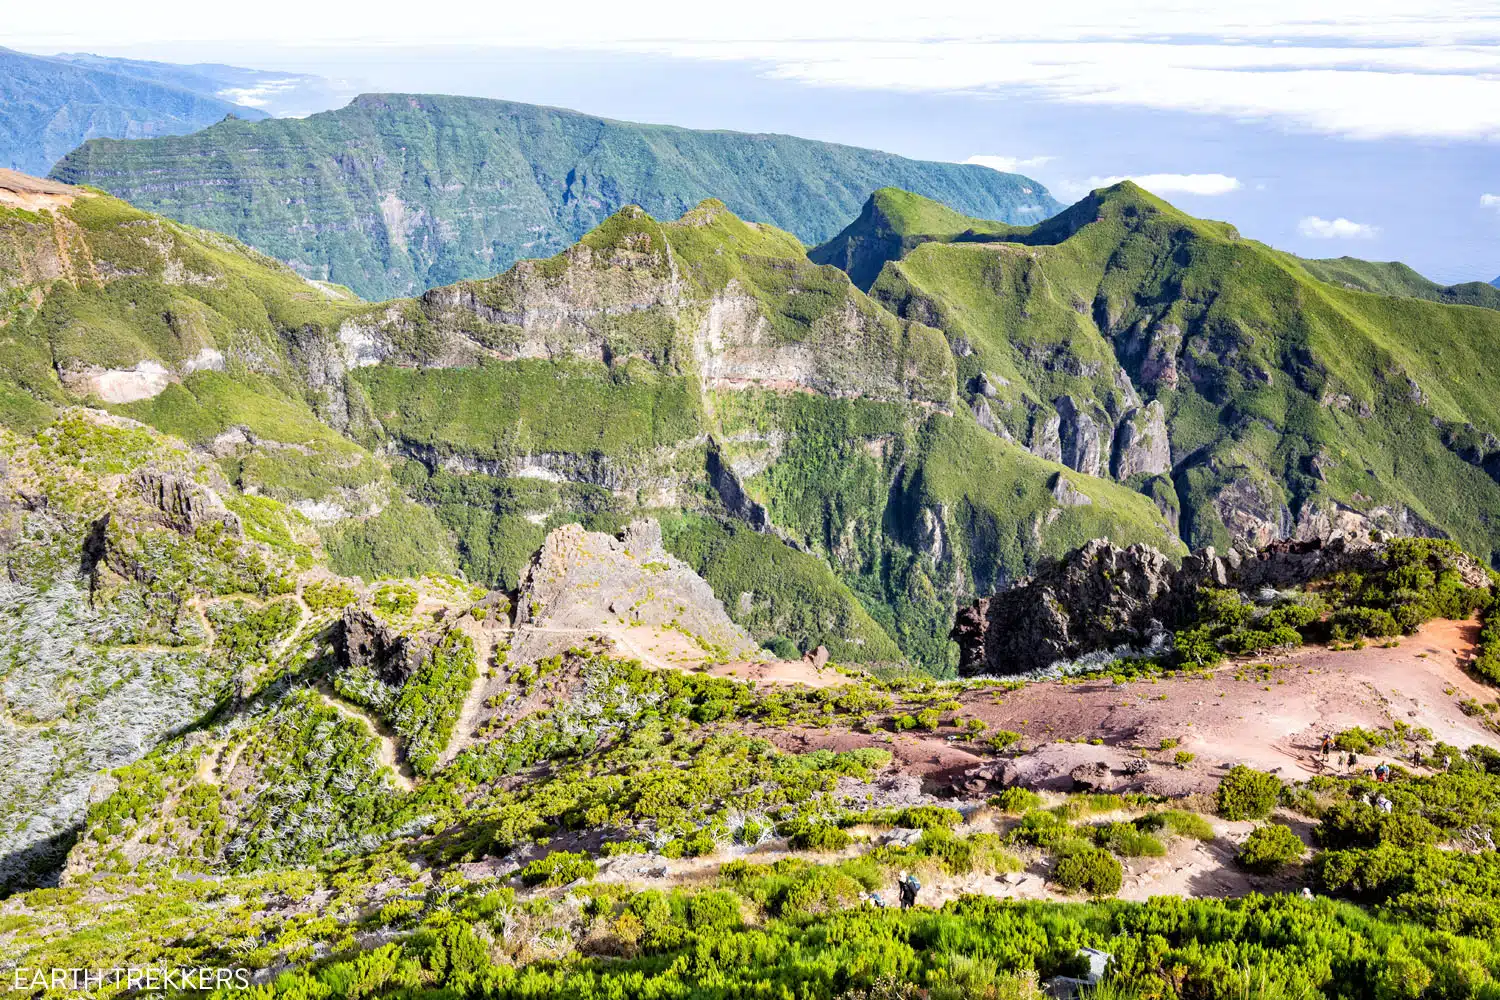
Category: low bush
<point>1247,794</point>
<point>1016,800</point>
<point>1128,841</point>
<point>1078,867</point>
<point>1270,848</point>
<point>559,868</point>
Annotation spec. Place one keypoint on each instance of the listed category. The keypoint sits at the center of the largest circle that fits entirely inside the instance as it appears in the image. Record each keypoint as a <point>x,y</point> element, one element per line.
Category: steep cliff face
<point>398,193</point>
<point>1247,390</point>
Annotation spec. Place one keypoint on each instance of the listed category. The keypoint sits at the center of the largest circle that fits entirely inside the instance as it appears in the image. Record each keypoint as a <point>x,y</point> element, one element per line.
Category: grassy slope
<point>1279,368</point>
<point>398,193</point>
<point>893,222</point>
<point>1395,278</point>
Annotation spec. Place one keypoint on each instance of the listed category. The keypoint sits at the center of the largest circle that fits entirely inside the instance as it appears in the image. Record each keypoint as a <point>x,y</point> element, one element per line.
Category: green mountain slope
<point>1395,278</point>
<point>278,94</point>
<point>398,193</point>
<point>892,223</point>
<point>680,368</point>
<point>1225,379</point>
<point>52,105</point>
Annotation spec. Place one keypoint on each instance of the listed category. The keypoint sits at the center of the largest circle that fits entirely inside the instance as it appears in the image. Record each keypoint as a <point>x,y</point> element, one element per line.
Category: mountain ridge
<point>394,194</point>
<point>54,104</point>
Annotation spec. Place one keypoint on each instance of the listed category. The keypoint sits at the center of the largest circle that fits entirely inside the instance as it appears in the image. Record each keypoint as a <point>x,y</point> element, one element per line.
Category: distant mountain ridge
<point>48,106</point>
<point>398,193</point>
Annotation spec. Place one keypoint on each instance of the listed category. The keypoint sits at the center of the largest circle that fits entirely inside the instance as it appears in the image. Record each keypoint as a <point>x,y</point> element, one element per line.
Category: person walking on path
<point>909,888</point>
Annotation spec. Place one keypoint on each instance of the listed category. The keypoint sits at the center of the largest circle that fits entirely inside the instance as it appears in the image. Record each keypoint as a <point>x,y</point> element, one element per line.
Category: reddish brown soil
<point>1266,714</point>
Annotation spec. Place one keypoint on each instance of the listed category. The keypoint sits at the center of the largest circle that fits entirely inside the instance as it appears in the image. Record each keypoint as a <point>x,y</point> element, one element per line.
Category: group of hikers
<point>908,887</point>
<point>1381,772</point>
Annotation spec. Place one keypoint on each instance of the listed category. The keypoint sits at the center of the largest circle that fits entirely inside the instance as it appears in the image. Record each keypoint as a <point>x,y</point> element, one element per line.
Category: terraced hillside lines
<point>398,193</point>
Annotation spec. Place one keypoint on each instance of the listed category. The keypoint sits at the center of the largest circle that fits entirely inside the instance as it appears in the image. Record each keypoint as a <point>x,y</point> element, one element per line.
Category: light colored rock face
<point>590,582</point>
<point>1046,441</point>
<point>1080,432</point>
<point>633,301</point>
<point>129,385</point>
<point>1252,512</point>
<point>932,534</point>
<point>1066,494</point>
<point>1141,443</point>
<point>1159,363</point>
<point>206,360</point>
<point>364,344</point>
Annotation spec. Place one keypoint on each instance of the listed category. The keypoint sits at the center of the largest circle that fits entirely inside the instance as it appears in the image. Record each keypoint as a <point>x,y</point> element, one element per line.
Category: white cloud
<point>1360,68</point>
<point>1317,228</point>
<point>1010,164</point>
<point>1205,184</point>
<point>1490,201</point>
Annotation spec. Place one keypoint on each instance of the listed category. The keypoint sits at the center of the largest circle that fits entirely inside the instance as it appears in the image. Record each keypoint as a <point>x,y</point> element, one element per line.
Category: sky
<point>1367,128</point>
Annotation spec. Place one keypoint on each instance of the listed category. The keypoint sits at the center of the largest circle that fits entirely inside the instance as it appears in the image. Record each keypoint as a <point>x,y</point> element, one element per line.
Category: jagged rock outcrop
<point>1098,597</point>
<point>362,640</point>
<point>183,504</point>
<point>582,581</point>
<point>1046,438</point>
<point>1080,433</point>
<point>1101,597</point>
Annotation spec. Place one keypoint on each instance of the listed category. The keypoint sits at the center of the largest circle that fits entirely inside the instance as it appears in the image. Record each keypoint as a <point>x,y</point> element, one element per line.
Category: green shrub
<point>1016,800</point>
<point>1362,622</point>
<point>1270,848</point>
<point>1178,821</point>
<point>818,837</point>
<point>1077,867</point>
<point>1128,841</point>
<point>1247,794</point>
<point>559,868</point>
<point>1003,739</point>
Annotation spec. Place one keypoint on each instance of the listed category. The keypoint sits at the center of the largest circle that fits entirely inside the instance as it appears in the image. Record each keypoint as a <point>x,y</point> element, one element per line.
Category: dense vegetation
<point>500,181</point>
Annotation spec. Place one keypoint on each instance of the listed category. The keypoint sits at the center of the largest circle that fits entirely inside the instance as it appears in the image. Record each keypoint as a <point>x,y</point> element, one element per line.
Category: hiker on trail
<point>1353,760</point>
<point>1327,745</point>
<point>909,888</point>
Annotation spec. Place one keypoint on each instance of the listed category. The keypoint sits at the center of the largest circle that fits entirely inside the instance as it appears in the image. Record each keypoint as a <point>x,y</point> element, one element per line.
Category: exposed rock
<point>1066,494</point>
<point>1080,433</point>
<point>582,581</point>
<point>732,492</point>
<point>184,505</point>
<point>1095,777</point>
<point>1252,512</point>
<point>1141,443</point>
<point>1046,441</point>
<point>931,534</point>
<point>985,417</point>
<point>363,640</point>
<point>1098,597</point>
<point>1158,357</point>
<point>1101,597</point>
